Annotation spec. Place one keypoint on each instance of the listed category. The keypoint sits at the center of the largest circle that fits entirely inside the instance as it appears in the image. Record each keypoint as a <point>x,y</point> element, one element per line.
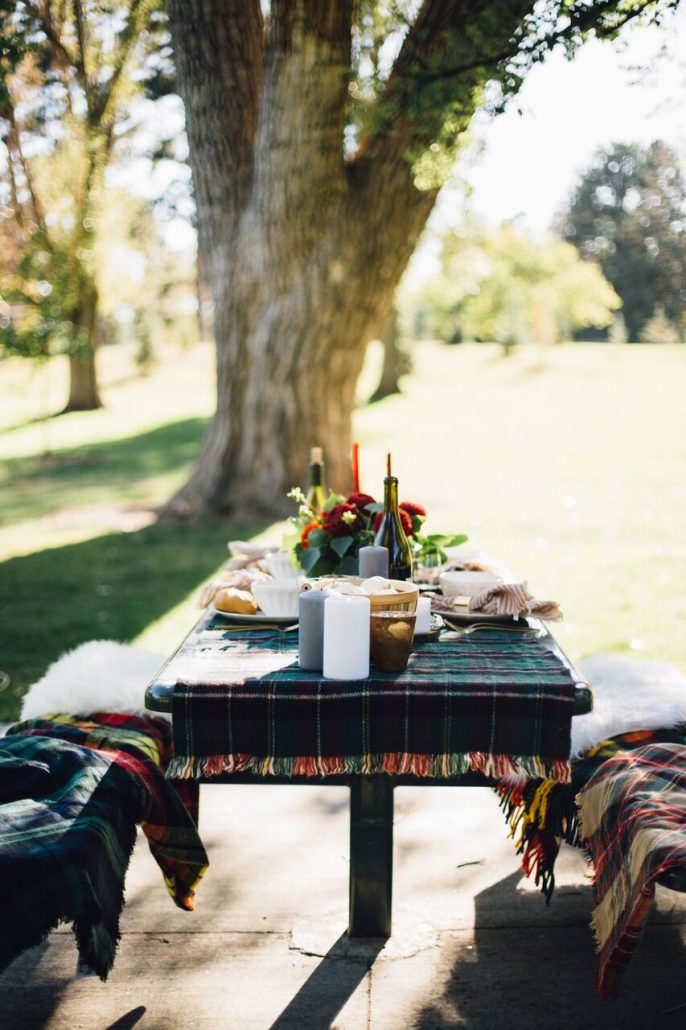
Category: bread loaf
<point>229,599</point>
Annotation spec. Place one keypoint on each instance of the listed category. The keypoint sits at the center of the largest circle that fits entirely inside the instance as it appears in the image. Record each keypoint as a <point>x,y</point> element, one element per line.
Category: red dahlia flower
<point>405,521</point>
<point>334,524</point>
<point>360,501</point>
<point>413,509</point>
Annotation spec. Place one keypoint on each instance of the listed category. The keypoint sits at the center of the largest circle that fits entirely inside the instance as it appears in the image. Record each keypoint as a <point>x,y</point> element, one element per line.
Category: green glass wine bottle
<point>316,495</point>
<point>391,534</point>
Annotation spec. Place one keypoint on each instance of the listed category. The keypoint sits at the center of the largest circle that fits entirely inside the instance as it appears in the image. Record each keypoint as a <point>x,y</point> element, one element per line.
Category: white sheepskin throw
<point>627,695</point>
<point>102,675</point>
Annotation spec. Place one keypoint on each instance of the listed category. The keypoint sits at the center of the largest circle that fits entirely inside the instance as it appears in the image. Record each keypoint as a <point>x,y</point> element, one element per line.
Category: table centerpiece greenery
<point>328,541</point>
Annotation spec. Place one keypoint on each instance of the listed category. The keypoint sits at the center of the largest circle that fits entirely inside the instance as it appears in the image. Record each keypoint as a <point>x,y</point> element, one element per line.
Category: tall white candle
<point>346,637</point>
<point>423,623</point>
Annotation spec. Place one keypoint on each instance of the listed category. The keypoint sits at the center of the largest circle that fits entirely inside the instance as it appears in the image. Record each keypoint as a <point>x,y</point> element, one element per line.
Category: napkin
<point>229,576</point>
<point>513,599</point>
<point>244,554</point>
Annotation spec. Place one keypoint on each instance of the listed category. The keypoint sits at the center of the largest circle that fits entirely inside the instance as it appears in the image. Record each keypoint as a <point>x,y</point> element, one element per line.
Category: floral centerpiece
<point>328,541</point>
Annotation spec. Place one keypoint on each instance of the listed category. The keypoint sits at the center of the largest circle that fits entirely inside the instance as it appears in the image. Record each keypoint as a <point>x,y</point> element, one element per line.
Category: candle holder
<point>391,635</point>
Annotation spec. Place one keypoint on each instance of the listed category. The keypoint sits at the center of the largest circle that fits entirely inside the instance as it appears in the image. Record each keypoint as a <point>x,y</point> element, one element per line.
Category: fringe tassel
<point>394,763</point>
<point>540,813</point>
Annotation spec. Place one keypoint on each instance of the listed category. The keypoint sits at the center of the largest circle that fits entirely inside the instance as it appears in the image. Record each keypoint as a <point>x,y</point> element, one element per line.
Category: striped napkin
<point>513,599</point>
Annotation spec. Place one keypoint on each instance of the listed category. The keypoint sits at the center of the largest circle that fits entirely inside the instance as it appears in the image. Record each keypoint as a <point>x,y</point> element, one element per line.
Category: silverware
<point>464,631</point>
<point>256,629</point>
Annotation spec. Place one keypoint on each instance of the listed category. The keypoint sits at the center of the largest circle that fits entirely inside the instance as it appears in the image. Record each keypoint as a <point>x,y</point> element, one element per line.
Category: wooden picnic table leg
<point>371,856</point>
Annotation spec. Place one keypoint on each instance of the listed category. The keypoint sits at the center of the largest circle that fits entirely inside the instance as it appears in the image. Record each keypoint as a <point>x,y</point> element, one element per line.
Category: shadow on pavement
<point>328,988</point>
<point>129,1020</point>
<point>541,975</point>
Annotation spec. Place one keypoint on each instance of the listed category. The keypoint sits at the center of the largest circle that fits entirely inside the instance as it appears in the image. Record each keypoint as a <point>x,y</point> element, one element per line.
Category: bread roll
<point>229,599</point>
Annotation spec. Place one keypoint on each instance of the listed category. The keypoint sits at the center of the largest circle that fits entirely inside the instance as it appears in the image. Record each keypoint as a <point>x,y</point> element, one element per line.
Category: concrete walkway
<point>473,946</point>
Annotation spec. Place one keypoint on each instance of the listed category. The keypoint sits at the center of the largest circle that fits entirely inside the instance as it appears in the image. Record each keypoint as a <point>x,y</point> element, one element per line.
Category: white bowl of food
<point>467,584</point>
<point>277,597</point>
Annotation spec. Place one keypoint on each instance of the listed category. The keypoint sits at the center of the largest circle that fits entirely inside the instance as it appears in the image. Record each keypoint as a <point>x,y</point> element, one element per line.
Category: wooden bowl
<point>403,600</point>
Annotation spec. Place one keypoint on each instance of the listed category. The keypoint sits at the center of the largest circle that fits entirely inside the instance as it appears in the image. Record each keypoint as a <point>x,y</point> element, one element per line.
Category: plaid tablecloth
<point>488,702</point>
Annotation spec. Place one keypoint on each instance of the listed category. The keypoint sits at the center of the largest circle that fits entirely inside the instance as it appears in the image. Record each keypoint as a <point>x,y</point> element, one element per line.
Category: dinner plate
<point>257,619</point>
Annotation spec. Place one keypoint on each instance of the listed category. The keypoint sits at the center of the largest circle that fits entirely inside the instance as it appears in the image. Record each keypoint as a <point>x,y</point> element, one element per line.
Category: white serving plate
<point>257,618</point>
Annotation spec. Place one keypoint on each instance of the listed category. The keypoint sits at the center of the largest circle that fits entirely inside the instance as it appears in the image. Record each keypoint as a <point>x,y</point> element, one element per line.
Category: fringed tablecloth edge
<point>421,765</point>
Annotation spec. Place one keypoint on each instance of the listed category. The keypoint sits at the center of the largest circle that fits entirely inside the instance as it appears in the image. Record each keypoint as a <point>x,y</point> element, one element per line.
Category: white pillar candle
<point>346,637</point>
<point>423,623</point>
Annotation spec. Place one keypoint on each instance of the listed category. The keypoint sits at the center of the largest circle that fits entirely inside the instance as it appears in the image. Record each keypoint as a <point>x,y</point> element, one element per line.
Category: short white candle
<point>346,637</point>
<point>373,561</point>
<point>423,623</point>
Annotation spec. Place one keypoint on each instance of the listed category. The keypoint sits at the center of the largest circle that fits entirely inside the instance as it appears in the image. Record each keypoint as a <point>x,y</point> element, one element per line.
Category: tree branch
<point>581,21</point>
<point>412,108</point>
<point>80,58</point>
<point>128,38</point>
<point>43,15</point>
<point>14,144</point>
<point>411,115</point>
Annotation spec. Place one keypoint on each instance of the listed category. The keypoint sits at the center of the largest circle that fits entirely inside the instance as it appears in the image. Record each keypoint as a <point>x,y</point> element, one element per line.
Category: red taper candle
<point>356,467</point>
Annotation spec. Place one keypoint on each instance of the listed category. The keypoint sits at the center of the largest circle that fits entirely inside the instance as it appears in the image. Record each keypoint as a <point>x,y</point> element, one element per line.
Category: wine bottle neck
<point>316,474</point>
<point>390,494</point>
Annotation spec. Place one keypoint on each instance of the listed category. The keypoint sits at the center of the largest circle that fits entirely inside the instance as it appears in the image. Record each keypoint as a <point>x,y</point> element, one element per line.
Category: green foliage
<point>628,213</point>
<point>511,288</point>
<point>37,289</point>
<point>69,75</point>
<point>472,56</point>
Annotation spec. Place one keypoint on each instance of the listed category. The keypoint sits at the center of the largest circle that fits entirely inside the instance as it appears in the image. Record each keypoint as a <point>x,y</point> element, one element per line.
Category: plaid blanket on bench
<point>71,793</point>
<point>633,821</point>
<point>542,813</point>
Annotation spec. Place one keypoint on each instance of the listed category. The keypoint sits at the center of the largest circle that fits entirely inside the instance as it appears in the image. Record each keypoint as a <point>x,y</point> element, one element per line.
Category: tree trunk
<point>302,250</point>
<point>395,361</point>
<point>83,383</point>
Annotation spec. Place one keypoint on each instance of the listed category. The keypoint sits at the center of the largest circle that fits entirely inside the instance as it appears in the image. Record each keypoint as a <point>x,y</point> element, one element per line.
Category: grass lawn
<point>568,463</point>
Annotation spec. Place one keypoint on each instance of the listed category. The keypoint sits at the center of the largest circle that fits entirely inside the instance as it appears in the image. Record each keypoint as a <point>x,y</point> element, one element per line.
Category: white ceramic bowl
<point>466,584</point>
<point>277,596</point>
<point>279,565</point>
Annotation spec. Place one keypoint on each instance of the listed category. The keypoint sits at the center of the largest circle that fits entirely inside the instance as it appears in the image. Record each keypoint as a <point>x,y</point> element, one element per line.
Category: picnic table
<point>468,710</point>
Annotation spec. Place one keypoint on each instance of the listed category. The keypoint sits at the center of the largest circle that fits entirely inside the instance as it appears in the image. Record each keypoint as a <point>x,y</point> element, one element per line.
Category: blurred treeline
<point>612,268</point>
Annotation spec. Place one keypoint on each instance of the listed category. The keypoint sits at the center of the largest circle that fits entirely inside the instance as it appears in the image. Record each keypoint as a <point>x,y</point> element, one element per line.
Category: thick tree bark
<point>84,394</point>
<point>303,250</point>
<point>395,361</point>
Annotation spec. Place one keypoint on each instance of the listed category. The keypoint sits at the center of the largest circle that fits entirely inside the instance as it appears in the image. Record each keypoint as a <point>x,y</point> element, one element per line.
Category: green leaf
<point>309,557</point>
<point>332,500</point>
<point>443,540</point>
<point>324,567</point>
<point>373,508</point>
<point>341,544</point>
<point>317,538</point>
<point>349,566</point>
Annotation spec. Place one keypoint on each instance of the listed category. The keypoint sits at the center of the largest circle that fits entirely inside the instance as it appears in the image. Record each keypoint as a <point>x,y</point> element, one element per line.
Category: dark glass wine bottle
<point>316,495</point>
<point>391,533</point>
